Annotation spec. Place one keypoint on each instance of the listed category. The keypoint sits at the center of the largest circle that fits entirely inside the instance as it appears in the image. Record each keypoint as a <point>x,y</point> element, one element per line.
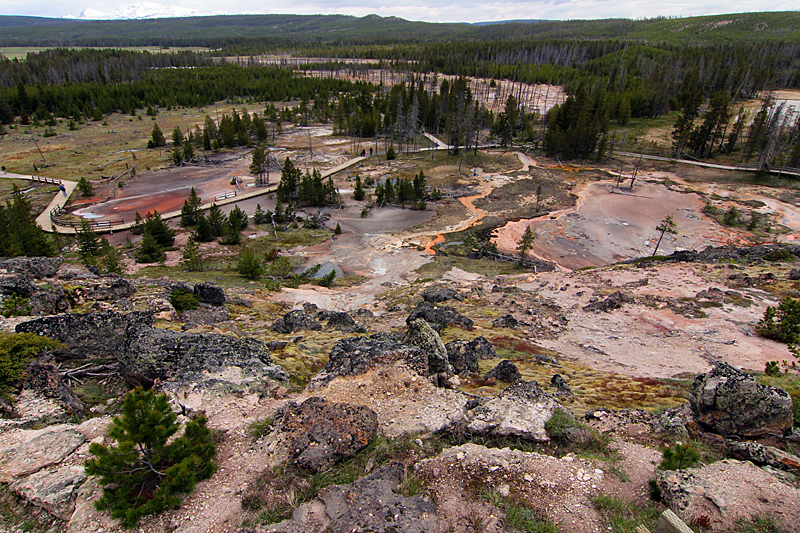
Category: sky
<point>426,10</point>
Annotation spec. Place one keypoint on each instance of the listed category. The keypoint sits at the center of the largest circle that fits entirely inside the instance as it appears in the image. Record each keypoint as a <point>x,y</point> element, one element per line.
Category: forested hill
<point>272,32</point>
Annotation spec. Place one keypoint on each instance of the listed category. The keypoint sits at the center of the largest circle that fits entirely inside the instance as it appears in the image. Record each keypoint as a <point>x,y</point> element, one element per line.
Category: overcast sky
<point>427,10</point>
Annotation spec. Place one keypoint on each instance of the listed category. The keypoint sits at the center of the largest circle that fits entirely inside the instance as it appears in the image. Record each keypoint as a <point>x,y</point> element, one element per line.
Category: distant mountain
<point>143,10</point>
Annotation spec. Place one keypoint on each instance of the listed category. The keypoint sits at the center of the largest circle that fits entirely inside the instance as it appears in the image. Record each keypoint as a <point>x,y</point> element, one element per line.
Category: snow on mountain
<point>143,10</point>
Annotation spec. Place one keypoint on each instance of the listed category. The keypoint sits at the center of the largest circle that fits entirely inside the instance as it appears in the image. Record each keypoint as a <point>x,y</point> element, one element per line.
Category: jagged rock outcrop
<point>505,321</point>
<point>439,317</point>
<point>49,301</point>
<point>762,454</point>
<point>38,267</point>
<point>341,321</point>
<point>371,503</point>
<point>315,434</point>
<point>730,402</point>
<point>614,301</point>
<point>17,284</point>
<point>37,449</point>
<point>727,491</point>
<point>464,355</point>
<point>423,336</point>
<point>151,354</point>
<point>112,291</point>
<point>90,335</point>
<point>205,314</point>
<point>297,320</point>
<point>43,378</point>
<point>357,355</point>
<point>520,410</point>
<point>558,383</point>
<point>208,293</point>
<point>436,296</point>
<point>504,371</point>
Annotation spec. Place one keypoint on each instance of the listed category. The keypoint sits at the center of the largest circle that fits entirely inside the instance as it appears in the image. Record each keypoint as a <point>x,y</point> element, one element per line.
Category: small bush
<point>390,154</point>
<point>16,305</point>
<point>782,324</point>
<point>16,350</point>
<point>142,474</point>
<point>780,256</point>
<point>183,300</point>
<point>772,369</point>
<point>678,457</point>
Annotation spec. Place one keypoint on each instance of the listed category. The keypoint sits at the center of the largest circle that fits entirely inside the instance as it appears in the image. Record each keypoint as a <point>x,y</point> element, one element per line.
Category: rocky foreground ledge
<point>430,456</point>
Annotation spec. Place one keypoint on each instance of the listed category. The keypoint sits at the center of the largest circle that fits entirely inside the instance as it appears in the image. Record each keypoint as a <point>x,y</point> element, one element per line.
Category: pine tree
<point>249,265</point>
<point>188,150</point>
<point>88,241</point>
<point>177,137</point>
<point>525,244</point>
<point>112,261</point>
<point>156,138</point>
<point>259,217</point>
<point>191,209</point>
<point>202,233</point>
<point>257,166</point>
<point>150,251</point>
<point>192,259</point>
<point>85,187</point>
<point>19,233</point>
<point>666,226</point>
<point>143,474</point>
<point>155,225</point>
<point>358,192</point>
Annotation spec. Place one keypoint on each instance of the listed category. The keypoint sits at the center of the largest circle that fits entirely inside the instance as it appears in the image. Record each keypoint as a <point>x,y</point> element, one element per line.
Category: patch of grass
<point>624,517</point>
<point>259,428</point>
<point>520,517</point>
<point>758,524</point>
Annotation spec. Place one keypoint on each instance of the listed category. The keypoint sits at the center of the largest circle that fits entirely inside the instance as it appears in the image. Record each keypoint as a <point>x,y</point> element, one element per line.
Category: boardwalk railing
<point>226,195</point>
<point>57,213</point>
<point>45,180</point>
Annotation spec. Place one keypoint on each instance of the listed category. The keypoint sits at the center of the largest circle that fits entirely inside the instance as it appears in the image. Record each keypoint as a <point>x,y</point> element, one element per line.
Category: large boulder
<point>208,293</point>
<point>154,354</point>
<point>90,335</point>
<point>357,355</point>
<point>371,503</point>
<point>341,321</point>
<point>520,410</point>
<point>730,402</point>
<point>49,301</point>
<point>113,291</point>
<point>17,284</point>
<point>206,314</point>
<point>464,355</point>
<point>297,320</point>
<point>315,434</point>
<point>423,336</point>
<point>436,296</point>
<point>725,492</point>
<point>38,267</point>
<point>439,317</point>
<point>504,371</point>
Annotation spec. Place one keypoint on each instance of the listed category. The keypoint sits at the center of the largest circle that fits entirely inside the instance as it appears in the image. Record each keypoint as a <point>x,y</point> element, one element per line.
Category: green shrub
<point>16,305</point>
<point>142,474</point>
<point>782,324</point>
<point>390,154</point>
<point>780,256</point>
<point>772,369</point>
<point>249,265</point>
<point>183,300</point>
<point>678,457</point>
<point>16,350</point>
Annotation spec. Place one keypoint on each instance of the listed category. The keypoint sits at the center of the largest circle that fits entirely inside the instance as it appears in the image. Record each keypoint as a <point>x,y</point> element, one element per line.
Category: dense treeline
<point>166,88</point>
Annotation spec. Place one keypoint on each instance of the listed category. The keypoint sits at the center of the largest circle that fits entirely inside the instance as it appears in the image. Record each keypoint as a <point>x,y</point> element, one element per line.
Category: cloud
<point>428,10</point>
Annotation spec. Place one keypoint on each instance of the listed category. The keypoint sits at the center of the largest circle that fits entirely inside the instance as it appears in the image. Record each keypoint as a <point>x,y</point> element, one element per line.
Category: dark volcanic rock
<point>208,293</point>
<point>436,296</point>
<point>794,274</point>
<point>560,385</point>
<point>506,321</point>
<point>49,301</point>
<point>614,301</point>
<point>505,371</point>
<point>43,378</point>
<point>464,356</point>
<point>422,335</point>
<point>116,289</point>
<point>317,433</point>
<point>19,284</point>
<point>357,355</point>
<point>100,334</point>
<point>206,314</point>
<point>439,317</point>
<point>296,320</point>
<point>152,354</point>
<point>371,503</point>
<point>731,402</point>
<point>342,322</point>
<point>38,267</point>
